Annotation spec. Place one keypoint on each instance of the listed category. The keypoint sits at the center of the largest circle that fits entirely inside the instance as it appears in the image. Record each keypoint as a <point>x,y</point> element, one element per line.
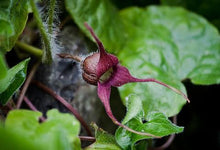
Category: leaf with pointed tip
<point>155,123</point>
<point>12,81</point>
<point>103,140</point>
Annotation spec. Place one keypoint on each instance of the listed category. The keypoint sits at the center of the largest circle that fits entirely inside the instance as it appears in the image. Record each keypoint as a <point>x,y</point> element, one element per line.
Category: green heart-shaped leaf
<point>155,123</point>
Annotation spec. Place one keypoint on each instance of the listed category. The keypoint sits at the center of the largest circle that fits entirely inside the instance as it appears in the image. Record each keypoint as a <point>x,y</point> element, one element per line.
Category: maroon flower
<point>103,69</point>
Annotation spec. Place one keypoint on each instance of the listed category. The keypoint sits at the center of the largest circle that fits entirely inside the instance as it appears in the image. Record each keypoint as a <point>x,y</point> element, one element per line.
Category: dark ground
<point>200,119</point>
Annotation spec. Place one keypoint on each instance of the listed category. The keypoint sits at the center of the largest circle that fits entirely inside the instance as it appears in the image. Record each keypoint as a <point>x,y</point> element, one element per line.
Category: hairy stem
<point>29,49</point>
<point>66,104</point>
<point>47,55</point>
<point>51,16</point>
<point>26,84</point>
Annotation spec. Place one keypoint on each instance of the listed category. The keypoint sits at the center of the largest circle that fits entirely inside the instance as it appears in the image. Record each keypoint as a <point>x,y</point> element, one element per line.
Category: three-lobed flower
<point>104,70</point>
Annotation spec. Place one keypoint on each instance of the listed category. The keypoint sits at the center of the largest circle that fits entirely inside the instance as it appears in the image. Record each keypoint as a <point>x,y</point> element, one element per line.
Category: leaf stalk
<point>29,49</point>
<point>47,54</point>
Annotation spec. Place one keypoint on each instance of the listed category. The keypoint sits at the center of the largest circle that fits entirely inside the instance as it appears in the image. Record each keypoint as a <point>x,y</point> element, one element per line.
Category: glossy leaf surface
<point>12,81</point>
<point>155,123</point>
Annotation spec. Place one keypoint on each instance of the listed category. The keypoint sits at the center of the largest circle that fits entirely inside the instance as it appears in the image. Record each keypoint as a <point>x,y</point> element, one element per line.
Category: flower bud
<point>89,69</point>
<point>90,74</point>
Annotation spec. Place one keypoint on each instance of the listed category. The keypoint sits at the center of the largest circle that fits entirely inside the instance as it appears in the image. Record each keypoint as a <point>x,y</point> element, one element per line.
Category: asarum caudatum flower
<point>103,69</point>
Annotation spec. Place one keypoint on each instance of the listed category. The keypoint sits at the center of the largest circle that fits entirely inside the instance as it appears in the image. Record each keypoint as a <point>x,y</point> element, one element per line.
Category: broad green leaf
<point>11,141</point>
<point>156,123</point>
<point>3,70</point>
<point>185,47</point>
<point>13,17</point>
<point>59,131</point>
<point>171,45</point>
<point>103,141</point>
<point>14,79</point>
<point>25,121</point>
<point>65,126</point>
<point>167,43</point>
<point>207,8</point>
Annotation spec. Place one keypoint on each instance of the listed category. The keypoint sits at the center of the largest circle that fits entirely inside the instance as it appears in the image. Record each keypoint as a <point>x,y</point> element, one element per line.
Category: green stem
<point>47,56</point>
<point>29,49</point>
<point>3,66</point>
<point>51,15</point>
